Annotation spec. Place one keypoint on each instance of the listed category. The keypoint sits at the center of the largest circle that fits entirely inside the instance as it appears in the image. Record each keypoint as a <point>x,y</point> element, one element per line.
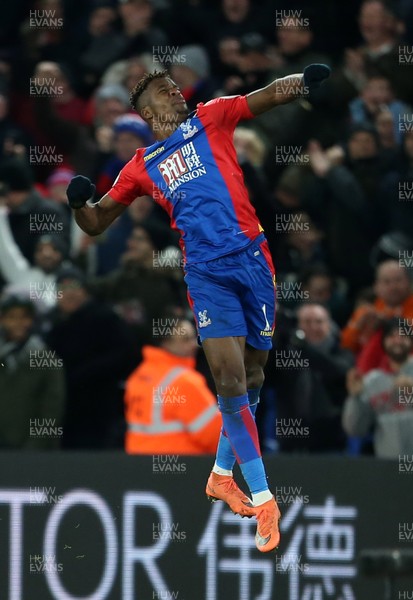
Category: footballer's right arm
<point>96,218</point>
<point>93,219</point>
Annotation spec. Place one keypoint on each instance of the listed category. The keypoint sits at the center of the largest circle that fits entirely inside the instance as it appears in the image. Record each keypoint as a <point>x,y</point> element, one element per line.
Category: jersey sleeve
<point>126,186</point>
<point>227,111</point>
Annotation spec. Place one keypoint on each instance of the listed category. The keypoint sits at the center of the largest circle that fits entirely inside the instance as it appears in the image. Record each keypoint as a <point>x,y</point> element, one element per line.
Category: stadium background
<point>333,206</point>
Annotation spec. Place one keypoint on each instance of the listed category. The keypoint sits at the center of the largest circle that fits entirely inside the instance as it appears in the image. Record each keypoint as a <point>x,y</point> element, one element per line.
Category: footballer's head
<point>158,100</point>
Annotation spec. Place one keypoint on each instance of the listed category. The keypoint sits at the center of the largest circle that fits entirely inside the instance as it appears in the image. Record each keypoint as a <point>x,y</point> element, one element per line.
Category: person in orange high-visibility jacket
<point>168,406</point>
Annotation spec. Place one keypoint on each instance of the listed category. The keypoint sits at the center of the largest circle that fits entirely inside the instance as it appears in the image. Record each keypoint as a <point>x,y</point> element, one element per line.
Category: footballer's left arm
<point>280,91</point>
<point>287,89</point>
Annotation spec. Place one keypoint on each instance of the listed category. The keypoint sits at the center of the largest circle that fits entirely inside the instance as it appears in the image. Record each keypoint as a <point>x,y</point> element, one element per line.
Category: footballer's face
<point>163,107</point>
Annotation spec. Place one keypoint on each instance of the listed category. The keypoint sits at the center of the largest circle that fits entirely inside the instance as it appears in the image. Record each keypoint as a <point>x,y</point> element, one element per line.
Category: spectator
<point>56,118</point>
<point>385,125</point>
<point>253,63</point>
<point>398,187</point>
<point>51,90</point>
<point>227,68</point>
<point>376,95</point>
<point>394,298</point>
<point>250,153</point>
<point>98,45</point>
<point>289,189</point>
<point>98,355</point>
<point>135,68</point>
<point>109,250</point>
<point>294,44</point>
<point>295,123</point>
<point>13,140</point>
<point>30,216</point>
<point>139,34</point>
<point>301,242</point>
<point>139,292</point>
<point>344,198</point>
<point>130,133</point>
<point>234,18</point>
<point>379,53</point>
<point>56,185</point>
<point>109,103</point>
<point>169,408</point>
<point>375,400</point>
<point>44,43</point>
<point>31,393</point>
<point>314,389</point>
<point>249,146</point>
<point>37,281</point>
<point>128,72</point>
<point>192,75</point>
<point>318,285</point>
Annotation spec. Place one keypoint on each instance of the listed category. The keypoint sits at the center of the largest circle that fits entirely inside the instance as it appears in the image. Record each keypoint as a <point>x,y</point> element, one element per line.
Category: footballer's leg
<point>225,359</point>
<point>254,362</point>
<point>267,513</point>
<point>216,291</point>
<point>222,329</point>
<point>231,379</point>
<point>259,312</point>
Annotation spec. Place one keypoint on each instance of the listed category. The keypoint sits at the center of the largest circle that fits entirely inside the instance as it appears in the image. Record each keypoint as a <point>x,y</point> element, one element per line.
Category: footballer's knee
<point>229,375</point>
<point>255,376</point>
<point>229,380</point>
<point>255,361</point>
<point>226,361</point>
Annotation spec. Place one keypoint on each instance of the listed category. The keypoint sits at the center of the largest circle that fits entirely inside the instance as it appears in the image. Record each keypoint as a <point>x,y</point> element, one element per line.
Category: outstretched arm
<point>286,89</point>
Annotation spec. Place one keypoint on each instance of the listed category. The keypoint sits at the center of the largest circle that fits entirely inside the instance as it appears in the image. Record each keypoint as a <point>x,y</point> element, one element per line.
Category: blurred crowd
<point>331,179</point>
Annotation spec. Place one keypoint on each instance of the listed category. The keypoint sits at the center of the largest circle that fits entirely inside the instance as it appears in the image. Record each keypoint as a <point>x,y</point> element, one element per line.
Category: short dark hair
<point>73,274</point>
<point>143,83</point>
<point>316,270</point>
<point>391,325</point>
<point>12,301</point>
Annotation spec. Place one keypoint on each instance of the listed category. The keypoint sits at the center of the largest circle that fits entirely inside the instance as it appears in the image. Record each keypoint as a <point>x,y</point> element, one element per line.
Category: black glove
<point>314,75</point>
<point>79,191</point>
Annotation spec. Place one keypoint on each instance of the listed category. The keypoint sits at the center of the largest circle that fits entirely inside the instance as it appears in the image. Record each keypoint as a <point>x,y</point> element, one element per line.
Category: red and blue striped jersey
<point>195,176</point>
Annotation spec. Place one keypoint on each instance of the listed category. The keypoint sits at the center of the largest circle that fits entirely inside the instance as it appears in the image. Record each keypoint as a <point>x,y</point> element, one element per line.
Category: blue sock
<point>225,454</point>
<point>241,430</point>
<point>254,398</point>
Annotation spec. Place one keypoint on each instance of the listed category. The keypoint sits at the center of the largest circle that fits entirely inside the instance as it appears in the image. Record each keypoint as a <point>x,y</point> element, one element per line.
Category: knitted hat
<point>135,125</point>
<point>113,90</point>
<point>16,175</point>
<point>196,59</point>
<point>54,240</point>
<point>61,176</point>
<point>253,42</point>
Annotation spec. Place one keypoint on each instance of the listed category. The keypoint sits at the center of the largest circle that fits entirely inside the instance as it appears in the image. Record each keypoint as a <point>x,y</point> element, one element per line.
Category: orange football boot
<point>223,487</point>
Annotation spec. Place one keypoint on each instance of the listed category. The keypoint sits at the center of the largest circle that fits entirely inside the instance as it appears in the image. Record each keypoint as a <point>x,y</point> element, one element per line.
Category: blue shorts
<point>235,295</point>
